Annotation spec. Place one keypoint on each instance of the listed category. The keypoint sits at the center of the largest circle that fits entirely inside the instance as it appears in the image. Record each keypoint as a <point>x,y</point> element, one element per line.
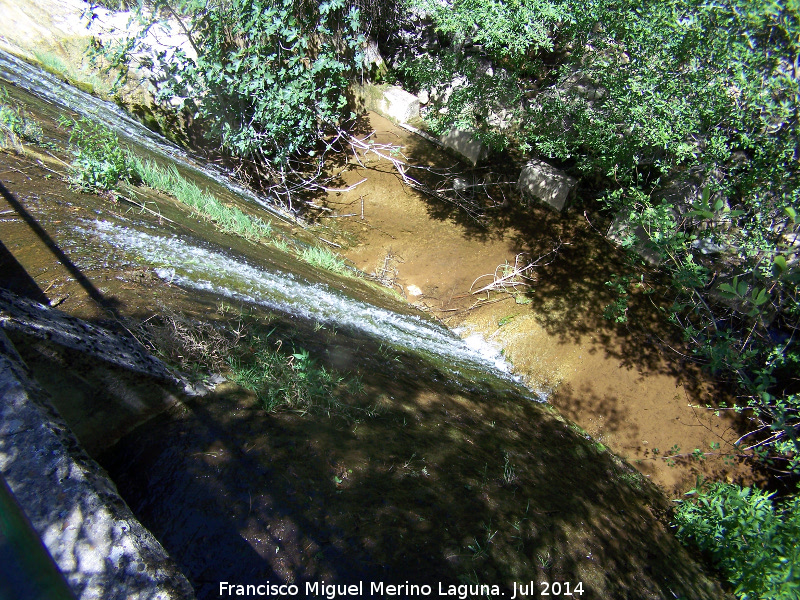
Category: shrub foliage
<point>683,117</point>
<point>266,78</point>
<point>750,539</point>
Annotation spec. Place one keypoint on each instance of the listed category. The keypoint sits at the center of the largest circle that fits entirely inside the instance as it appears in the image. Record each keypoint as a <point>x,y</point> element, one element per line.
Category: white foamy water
<point>194,267</point>
<point>491,353</point>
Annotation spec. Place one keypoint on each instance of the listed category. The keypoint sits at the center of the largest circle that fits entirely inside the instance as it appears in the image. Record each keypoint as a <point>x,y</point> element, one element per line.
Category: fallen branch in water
<point>452,189</point>
<point>507,277</point>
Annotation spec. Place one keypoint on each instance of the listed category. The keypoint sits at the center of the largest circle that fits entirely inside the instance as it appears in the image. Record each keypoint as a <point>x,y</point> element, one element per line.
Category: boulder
<point>373,62</point>
<point>546,183</point>
<point>581,84</point>
<point>681,193</point>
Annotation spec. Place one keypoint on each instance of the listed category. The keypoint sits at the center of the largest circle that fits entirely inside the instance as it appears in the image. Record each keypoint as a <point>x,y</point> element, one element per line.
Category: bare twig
<point>506,276</point>
<point>342,190</point>
<point>334,244</point>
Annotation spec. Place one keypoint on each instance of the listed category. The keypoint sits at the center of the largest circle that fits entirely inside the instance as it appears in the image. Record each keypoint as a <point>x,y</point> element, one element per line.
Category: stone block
<point>620,232</point>
<point>392,102</point>
<point>465,145</point>
<point>546,183</point>
<point>399,105</point>
<point>102,550</point>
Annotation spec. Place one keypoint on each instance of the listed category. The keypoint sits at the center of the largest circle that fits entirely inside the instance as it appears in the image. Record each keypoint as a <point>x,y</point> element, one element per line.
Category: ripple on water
<point>210,270</point>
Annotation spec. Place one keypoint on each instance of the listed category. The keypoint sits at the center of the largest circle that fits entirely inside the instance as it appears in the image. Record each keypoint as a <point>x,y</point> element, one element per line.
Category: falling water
<point>247,280</point>
<point>192,266</point>
<point>54,90</point>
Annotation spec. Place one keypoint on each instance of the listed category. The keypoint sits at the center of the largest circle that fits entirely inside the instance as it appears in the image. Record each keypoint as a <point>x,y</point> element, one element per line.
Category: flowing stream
<point>54,90</point>
<point>192,266</point>
<point>452,473</point>
<point>201,267</point>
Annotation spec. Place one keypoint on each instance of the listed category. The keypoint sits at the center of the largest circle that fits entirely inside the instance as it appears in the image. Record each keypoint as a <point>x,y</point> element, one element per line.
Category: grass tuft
<point>15,126</point>
<point>246,350</point>
<point>324,259</point>
<point>228,219</point>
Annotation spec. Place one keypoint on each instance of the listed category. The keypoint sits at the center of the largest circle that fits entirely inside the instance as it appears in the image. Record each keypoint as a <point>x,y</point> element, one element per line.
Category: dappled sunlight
<point>441,470</point>
<point>633,376</point>
<point>440,485</point>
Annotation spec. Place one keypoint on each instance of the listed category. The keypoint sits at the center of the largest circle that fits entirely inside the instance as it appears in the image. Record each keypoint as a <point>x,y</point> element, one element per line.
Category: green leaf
<point>741,288</point>
<point>759,297</point>
<point>703,214</point>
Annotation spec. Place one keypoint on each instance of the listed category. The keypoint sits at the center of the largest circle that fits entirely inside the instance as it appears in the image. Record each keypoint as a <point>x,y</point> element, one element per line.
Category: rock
<point>460,184</point>
<point>543,181</point>
<point>465,145</point>
<point>424,97</point>
<point>485,67</point>
<point>29,26</point>
<point>413,35</point>
<point>637,238</point>
<point>216,379</point>
<point>681,194</point>
<point>374,64</point>
<point>102,550</point>
<point>708,246</point>
<point>682,191</point>
<point>399,105</point>
<point>444,96</point>
<point>502,119</point>
<point>392,102</point>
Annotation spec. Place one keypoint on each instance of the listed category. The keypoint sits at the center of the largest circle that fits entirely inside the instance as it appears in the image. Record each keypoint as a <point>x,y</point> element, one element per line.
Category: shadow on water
<point>57,252</point>
<point>569,294</point>
<point>15,278</point>
<point>442,485</point>
<point>629,383</point>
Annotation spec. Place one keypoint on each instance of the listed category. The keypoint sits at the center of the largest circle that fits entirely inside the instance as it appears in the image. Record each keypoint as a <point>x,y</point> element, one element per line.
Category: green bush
<point>100,162</point>
<point>626,90</point>
<point>269,77</point>
<point>750,540</point>
<point>635,95</point>
<point>324,259</point>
